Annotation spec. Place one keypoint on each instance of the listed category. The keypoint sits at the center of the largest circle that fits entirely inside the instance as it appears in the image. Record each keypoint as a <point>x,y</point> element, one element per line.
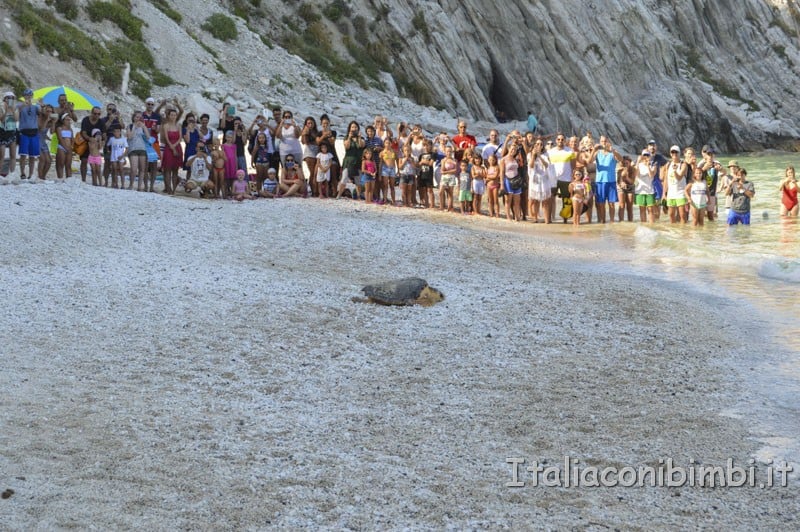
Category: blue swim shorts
<point>606,192</point>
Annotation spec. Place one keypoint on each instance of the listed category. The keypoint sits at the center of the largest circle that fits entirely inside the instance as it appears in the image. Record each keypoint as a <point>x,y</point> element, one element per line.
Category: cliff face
<point>688,71</point>
<point>722,72</point>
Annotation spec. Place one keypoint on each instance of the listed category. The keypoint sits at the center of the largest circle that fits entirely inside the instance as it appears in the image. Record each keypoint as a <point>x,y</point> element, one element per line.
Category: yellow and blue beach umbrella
<point>80,100</point>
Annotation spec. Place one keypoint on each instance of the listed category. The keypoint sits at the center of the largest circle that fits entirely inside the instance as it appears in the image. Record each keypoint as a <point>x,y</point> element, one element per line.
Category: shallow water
<point>757,266</point>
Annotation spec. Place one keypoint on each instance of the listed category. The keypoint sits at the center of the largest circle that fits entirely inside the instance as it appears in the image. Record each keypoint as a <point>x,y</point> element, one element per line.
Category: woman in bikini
<point>788,190</point>
<point>493,184</point>
<point>577,192</point>
<point>449,180</point>
<point>64,152</point>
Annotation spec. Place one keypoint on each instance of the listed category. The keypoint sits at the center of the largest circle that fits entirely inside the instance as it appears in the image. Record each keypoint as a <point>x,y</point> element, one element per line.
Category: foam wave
<point>781,270</point>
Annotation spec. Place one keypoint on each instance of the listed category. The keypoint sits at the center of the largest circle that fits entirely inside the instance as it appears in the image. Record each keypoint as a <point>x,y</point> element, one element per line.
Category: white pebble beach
<point>173,363</point>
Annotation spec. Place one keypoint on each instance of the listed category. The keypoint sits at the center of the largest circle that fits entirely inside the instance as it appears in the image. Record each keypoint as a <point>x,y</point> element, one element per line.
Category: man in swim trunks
<point>29,148</point>
<point>605,158</point>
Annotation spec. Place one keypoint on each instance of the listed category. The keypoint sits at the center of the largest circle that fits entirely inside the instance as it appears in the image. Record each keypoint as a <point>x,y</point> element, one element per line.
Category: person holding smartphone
<point>741,192</point>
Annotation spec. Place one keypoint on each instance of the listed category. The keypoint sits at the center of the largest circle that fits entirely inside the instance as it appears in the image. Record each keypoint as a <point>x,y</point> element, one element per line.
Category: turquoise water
<point>759,263</point>
<point>757,266</point>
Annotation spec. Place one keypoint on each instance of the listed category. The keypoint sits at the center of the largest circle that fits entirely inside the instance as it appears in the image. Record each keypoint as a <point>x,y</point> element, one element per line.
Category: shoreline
<point>153,379</point>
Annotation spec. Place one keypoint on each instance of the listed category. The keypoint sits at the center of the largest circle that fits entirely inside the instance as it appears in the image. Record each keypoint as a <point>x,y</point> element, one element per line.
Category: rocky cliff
<point>693,71</point>
<point>682,71</point>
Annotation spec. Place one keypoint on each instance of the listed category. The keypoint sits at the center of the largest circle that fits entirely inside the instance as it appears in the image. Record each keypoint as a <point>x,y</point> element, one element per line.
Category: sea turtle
<point>408,291</point>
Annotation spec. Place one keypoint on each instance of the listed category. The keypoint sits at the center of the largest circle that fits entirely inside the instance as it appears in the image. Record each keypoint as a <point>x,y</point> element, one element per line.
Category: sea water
<point>757,267</point>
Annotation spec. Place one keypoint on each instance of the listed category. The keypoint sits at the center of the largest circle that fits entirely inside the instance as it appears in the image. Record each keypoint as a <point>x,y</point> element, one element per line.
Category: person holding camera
<point>606,159</point>
<point>288,132</point>
<point>354,145</point>
<point>226,117</point>
<point>741,192</point>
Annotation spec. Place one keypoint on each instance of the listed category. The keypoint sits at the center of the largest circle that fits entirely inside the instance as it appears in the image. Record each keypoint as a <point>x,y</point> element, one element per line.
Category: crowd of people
<point>277,156</point>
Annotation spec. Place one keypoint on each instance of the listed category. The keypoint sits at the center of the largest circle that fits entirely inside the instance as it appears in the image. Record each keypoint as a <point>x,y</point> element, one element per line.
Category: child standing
<point>95,159</point>
<point>697,193</point>
<point>577,191</point>
<point>464,186</point>
<point>239,186</point>
<point>478,174</point>
<point>493,184</point>
<point>408,168</point>
<point>323,177</point>
<point>230,162</point>
<point>219,160</point>
<point>119,149</point>
<point>388,169</point>
<point>368,172</point>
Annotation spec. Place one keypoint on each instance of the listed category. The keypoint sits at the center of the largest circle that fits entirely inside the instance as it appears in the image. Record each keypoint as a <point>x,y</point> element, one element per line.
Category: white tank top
<point>644,183</point>
<point>676,186</point>
<point>289,142</point>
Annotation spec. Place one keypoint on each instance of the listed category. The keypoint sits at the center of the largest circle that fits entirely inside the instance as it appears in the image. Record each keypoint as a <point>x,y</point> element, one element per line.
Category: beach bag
<point>515,182</point>
<point>79,145</point>
<point>566,210</point>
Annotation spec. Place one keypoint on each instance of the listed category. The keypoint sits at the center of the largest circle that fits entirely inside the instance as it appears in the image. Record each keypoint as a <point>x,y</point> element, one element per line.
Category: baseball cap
<point>27,92</point>
<point>645,152</point>
<point>675,148</point>
<point>733,162</point>
<point>150,100</point>
<point>651,141</point>
<point>707,149</point>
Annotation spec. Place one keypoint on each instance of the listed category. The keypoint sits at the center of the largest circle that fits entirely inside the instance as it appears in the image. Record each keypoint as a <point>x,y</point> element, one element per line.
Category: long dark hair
<point>311,137</point>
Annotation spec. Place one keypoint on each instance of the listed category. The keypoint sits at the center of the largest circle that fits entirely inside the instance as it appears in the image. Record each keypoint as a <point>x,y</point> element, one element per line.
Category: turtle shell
<point>399,292</point>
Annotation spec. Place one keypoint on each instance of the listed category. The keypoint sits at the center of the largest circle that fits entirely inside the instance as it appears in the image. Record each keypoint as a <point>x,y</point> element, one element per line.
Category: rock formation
<point>719,71</point>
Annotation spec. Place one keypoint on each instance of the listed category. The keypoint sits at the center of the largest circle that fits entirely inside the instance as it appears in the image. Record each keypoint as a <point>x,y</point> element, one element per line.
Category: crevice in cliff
<point>503,97</point>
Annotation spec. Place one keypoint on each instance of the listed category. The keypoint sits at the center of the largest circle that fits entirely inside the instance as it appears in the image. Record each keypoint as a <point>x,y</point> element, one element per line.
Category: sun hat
<point>733,162</point>
<point>9,95</point>
<point>150,100</point>
<point>675,148</point>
